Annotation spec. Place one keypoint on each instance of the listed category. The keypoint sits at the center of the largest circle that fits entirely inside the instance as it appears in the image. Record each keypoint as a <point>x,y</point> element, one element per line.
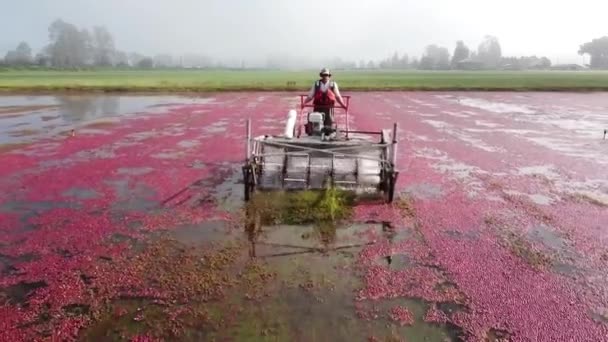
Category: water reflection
<point>287,240</point>
<point>389,231</point>
<point>25,119</point>
<point>316,266</point>
<point>323,237</point>
<point>79,108</point>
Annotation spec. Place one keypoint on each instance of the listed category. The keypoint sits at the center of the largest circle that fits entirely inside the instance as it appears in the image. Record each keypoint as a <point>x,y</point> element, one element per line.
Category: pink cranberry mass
<point>503,211</point>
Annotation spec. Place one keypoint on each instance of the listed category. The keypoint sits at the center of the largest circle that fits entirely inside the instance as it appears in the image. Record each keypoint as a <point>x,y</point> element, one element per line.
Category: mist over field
<point>155,185</point>
<point>340,33</point>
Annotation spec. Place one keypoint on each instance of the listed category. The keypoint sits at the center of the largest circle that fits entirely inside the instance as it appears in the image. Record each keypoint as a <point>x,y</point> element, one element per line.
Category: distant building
<point>511,66</point>
<point>469,64</point>
<point>568,67</point>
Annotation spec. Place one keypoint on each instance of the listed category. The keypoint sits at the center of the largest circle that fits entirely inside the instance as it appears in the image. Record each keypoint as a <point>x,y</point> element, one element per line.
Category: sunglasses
<point>323,75</point>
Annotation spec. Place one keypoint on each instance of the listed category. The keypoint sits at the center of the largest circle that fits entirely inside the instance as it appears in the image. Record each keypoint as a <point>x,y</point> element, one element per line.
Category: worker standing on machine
<point>325,93</point>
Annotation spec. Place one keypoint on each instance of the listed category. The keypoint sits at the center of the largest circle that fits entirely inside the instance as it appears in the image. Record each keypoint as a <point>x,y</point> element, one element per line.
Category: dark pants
<point>328,117</point>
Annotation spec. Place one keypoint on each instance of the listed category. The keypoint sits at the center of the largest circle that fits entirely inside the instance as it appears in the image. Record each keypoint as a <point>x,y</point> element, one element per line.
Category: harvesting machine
<point>310,156</point>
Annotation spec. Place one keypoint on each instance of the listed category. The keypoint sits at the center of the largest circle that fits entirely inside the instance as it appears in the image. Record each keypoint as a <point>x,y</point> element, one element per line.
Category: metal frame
<point>255,157</point>
<point>303,106</point>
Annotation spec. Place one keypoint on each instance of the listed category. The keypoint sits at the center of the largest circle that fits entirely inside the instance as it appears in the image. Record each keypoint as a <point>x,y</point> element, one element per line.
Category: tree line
<point>73,47</point>
<point>487,56</point>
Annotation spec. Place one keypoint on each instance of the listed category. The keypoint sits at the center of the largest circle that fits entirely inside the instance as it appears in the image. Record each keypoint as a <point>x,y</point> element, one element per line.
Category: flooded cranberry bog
<point>122,218</point>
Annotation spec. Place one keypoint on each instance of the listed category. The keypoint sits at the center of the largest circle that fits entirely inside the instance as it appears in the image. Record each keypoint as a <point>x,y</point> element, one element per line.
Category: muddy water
<point>321,305</point>
<point>504,235</point>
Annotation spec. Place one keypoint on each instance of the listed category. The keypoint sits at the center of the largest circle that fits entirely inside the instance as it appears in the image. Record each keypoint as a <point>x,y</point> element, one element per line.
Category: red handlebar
<point>347,103</point>
<point>345,97</point>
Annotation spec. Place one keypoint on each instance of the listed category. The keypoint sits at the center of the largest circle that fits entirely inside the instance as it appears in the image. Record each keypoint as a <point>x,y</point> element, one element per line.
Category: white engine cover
<point>290,124</point>
<point>316,117</point>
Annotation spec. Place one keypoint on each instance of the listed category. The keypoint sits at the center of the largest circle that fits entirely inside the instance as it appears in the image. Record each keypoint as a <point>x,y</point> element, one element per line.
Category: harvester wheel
<point>248,182</point>
<point>391,187</point>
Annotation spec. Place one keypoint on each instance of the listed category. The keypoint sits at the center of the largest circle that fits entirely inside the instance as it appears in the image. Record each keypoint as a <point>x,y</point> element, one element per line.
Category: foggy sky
<point>351,29</point>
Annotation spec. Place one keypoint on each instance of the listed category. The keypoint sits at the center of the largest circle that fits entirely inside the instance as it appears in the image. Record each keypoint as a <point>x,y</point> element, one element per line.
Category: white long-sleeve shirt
<point>323,87</point>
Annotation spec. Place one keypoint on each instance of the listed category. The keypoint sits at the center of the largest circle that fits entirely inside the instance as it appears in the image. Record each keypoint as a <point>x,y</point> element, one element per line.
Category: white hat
<point>325,71</point>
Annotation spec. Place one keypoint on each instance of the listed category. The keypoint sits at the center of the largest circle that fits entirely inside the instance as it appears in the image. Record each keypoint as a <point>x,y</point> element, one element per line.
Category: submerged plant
<point>332,203</point>
<point>302,207</point>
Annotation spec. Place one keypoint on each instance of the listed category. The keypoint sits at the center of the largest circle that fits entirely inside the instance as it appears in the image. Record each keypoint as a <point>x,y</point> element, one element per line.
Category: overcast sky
<point>351,29</point>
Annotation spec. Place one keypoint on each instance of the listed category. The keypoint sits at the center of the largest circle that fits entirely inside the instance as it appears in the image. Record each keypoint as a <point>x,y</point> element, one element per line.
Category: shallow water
<point>28,118</point>
<point>142,166</point>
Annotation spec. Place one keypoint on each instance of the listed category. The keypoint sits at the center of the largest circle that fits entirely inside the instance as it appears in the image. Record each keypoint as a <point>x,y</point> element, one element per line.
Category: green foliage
<point>461,52</point>
<point>331,203</point>
<point>598,50</point>
<point>176,80</point>
<point>435,58</point>
<point>490,52</point>
<point>303,207</point>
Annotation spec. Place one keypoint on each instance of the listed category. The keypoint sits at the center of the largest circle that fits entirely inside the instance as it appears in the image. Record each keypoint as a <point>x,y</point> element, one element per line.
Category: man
<point>325,93</point>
